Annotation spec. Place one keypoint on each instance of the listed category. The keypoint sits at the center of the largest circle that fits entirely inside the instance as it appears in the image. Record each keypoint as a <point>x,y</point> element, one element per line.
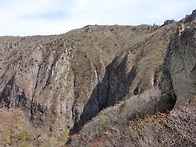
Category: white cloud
<point>22,17</point>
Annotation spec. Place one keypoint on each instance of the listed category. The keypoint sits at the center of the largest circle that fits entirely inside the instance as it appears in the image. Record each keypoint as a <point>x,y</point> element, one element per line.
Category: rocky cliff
<point>132,123</point>
<point>60,83</point>
<point>178,83</point>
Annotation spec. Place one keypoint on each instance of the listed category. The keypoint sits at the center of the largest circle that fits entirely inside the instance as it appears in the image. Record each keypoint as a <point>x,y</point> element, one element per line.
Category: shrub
<point>64,136</point>
<point>25,136</point>
<point>102,117</point>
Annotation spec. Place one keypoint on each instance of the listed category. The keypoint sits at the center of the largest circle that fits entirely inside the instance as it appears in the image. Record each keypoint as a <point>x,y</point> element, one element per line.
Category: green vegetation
<point>64,136</point>
<point>122,105</point>
<point>102,117</point>
<point>25,135</point>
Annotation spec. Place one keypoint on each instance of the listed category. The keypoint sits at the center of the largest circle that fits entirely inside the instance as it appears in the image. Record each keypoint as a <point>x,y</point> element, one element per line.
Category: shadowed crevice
<point>13,97</point>
<point>113,88</point>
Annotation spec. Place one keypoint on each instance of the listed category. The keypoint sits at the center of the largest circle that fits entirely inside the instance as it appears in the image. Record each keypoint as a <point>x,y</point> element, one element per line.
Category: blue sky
<point>46,17</point>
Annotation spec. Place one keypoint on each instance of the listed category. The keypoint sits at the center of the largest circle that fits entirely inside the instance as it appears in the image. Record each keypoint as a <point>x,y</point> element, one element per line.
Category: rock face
<point>126,124</point>
<point>64,81</point>
<point>91,75</point>
<point>178,82</point>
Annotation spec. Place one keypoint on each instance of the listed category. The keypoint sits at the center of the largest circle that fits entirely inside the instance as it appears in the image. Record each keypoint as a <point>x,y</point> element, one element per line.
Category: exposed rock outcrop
<point>64,81</point>
<point>87,77</point>
<point>178,82</point>
<point>128,123</point>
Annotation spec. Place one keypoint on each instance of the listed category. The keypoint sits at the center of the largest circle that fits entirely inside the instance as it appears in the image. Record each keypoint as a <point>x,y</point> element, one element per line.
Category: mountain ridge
<point>62,82</point>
